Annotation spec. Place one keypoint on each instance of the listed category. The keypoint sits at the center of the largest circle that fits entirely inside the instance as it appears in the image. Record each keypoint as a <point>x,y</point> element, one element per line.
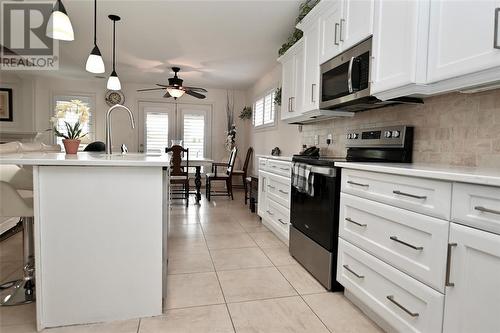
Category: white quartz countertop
<point>481,176</point>
<point>281,158</point>
<point>86,159</point>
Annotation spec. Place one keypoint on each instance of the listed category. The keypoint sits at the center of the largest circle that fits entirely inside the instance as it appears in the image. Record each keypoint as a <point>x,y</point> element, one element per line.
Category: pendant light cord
<point>95,22</point>
<point>114,41</point>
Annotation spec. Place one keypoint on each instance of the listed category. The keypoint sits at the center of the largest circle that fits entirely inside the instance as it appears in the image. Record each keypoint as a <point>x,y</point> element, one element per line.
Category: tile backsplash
<point>455,129</point>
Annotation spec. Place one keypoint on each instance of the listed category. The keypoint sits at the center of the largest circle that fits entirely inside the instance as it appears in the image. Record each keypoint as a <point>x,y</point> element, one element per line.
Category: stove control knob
<point>348,136</point>
<point>395,134</point>
<point>388,134</point>
<point>355,135</point>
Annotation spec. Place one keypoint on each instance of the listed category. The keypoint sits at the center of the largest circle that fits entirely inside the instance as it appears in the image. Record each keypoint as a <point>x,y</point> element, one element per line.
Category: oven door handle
<point>324,171</point>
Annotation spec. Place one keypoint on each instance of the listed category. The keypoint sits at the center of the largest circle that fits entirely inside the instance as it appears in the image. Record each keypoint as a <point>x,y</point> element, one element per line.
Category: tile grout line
<point>302,298</point>
<point>139,325</point>
<point>218,280</point>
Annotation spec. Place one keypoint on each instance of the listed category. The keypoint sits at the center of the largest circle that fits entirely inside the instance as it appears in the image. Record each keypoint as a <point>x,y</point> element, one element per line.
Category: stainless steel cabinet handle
<point>273,166</point>
<point>391,298</point>
<point>353,272</point>
<point>341,29</point>
<point>281,221</point>
<point>349,75</point>
<point>394,238</point>
<point>270,186</point>
<point>410,195</point>
<point>286,169</point>
<point>292,107</point>
<point>335,39</point>
<point>312,92</point>
<point>448,266</point>
<point>289,104</point>
<point>357,184</point>
<point>496,44</point>
<point>487,210</point>
<point>348,219</point>
<point>283,192</point>
<point>269,212</point>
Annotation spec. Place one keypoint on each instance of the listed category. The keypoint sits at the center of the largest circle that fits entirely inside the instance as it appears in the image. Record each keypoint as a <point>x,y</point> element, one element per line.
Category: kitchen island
<point>100,235</point>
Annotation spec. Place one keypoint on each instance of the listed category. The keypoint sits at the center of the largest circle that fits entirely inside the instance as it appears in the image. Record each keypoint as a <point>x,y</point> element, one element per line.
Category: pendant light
<point>59,25</point>
<point>114,81</point>
<point>94,61</point>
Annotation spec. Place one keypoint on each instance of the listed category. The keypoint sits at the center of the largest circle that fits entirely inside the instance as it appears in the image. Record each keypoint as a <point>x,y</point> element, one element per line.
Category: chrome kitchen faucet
<point>108,124</point>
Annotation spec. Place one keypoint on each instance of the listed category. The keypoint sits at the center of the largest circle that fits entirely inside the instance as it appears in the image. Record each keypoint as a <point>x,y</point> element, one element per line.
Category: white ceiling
<point>217,44</point>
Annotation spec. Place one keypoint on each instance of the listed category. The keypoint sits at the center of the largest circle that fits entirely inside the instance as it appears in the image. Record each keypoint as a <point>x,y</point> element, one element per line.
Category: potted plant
<point>71,139</point>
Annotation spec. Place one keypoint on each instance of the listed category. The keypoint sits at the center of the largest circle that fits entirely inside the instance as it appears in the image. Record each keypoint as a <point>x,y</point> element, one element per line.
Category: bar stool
<point>13,204</point>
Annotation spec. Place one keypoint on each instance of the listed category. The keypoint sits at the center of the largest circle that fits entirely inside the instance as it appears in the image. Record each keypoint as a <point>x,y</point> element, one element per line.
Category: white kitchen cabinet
<point>343,23</point>
<point>471,304</point>
<point>356,23</point>
<point>329,30</point>
<point>311,55</point>
<point>292,84</point>
<point>399,46</point>
<point>461,38</point>
<point>274,195</point>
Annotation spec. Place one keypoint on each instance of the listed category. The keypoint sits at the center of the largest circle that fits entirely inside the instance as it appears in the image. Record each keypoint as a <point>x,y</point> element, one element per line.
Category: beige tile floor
<point>227,273</point>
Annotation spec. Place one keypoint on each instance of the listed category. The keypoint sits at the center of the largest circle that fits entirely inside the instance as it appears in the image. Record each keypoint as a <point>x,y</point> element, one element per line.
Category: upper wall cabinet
<point>343,23</point>
<point>292,85</point>
<point>462,38</point>
<point>399,56</point>
<point>311,65</point>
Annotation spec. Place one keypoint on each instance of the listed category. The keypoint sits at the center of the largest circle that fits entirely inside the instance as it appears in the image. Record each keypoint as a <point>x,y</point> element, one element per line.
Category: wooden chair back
<point>176,165</point>
<point>232,160</point>
<point>247,159</point>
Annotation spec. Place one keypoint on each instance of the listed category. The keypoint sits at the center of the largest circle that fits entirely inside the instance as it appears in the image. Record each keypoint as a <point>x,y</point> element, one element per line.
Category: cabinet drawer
<point>403,302</point>
<point>426,196</point>
<point>279,215</point>
<point>279,188</point>
<point>282,168</point>
<point>263,164</point>
<point>476,206</point>
<point>411,242</point>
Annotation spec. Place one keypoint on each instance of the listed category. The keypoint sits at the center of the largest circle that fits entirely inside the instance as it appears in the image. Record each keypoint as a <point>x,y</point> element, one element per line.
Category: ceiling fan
<point>175,88</point>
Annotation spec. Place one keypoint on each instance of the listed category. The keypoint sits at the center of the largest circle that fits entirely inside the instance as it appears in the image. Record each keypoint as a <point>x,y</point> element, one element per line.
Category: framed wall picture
<point>5,104</point>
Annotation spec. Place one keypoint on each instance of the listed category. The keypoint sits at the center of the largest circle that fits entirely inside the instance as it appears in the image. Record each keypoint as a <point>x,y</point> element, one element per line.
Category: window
<point>194,134</point>
<point>71,109</point>
<point>264,110</point>
<point>156,131</point>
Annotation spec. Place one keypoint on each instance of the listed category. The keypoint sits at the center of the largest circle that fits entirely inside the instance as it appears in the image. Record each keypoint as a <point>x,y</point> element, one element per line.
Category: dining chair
<point>243,173</point>
<point>179,171</point>
<point>226,177</point>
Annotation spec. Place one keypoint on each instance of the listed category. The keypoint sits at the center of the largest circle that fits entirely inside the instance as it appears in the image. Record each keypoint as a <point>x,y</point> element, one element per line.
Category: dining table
<point>197,163</point>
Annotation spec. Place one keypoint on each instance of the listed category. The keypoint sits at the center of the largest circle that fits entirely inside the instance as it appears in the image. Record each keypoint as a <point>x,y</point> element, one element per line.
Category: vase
<point>71,145</point>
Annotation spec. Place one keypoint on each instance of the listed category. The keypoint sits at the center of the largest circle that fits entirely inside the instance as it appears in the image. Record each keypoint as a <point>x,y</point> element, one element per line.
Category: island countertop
<point>86,159</point>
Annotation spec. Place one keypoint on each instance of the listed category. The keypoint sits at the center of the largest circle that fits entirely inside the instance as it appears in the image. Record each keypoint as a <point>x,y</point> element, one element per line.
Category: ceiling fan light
<point>114,82</point>
<point>59,25</point>
<point>95,64</point>
<point>175,93</point>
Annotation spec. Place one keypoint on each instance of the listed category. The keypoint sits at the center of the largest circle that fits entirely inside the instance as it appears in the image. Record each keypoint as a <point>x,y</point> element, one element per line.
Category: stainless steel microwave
<point>345,82</point>
<point>346,78</point>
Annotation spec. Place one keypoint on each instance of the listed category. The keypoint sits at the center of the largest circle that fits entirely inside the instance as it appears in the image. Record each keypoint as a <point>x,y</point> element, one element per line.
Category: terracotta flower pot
<point>71,145</point>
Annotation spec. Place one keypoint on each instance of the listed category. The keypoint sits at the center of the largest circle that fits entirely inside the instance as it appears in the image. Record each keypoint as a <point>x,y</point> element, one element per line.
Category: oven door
<point>317,216</point>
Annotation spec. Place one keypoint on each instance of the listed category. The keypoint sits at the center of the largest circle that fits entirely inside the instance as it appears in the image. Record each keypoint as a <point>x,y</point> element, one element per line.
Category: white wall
<point>282,135</point>
<point>22,104</point>
<point>34,109</point>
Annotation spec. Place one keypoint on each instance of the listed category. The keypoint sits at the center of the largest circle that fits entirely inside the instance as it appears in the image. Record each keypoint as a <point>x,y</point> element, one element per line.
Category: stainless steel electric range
<point>315,218</point>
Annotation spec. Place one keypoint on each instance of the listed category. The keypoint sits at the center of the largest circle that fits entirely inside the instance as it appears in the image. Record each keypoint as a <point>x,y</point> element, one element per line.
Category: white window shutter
<point>156,131</point>
<point>194,135</point>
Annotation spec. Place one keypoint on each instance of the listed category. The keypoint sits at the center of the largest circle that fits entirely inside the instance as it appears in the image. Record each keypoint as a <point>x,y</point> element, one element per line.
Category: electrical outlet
<point>316,140</point>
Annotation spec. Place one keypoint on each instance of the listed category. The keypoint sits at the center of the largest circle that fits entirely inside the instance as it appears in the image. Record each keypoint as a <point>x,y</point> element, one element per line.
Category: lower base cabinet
<point>404,303</point>
<point>473,285</point>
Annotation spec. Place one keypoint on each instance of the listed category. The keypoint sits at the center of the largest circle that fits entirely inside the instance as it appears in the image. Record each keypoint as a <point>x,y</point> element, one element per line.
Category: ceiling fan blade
<point>167,95</point>
<point>196,89</point>
<point>149,89</point>
<point>195,94</point>
<point>162,85</point>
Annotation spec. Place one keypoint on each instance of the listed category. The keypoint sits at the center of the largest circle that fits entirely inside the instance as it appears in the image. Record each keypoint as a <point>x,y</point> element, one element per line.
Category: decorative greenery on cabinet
<point>304,8</point>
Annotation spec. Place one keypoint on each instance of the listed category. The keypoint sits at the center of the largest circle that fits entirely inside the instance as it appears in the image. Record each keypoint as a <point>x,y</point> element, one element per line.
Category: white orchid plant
<point>73,131</point>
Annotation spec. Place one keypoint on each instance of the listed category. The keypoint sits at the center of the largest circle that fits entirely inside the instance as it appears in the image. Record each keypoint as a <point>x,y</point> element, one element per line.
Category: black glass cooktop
<point>318,160</point>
